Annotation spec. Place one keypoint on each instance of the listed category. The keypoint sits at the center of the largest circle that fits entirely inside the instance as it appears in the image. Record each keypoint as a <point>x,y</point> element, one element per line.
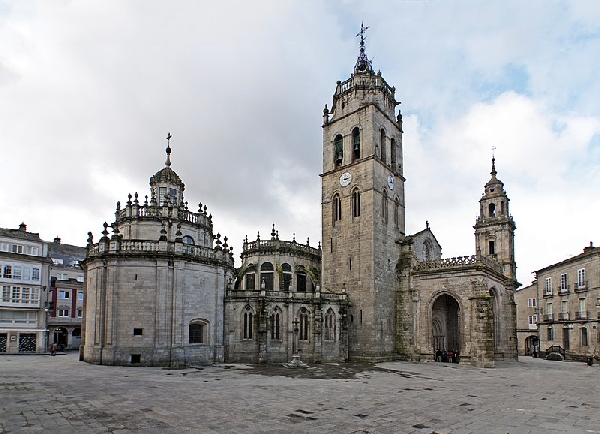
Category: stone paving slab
<point>63,395</point>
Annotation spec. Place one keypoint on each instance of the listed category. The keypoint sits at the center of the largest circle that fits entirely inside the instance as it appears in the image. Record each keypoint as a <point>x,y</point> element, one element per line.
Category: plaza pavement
<point>40,393</point>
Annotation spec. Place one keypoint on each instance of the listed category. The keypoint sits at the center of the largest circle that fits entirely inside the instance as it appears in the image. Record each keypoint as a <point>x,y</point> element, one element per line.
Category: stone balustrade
<point>457,263</point>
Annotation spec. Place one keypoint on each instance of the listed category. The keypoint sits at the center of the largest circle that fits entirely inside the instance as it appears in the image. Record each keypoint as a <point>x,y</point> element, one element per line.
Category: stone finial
<point>168,150</point>
<point>129,201</point>
<point>118,205</point>
<point>136,201</point>
<point>225,245</point>
<point>308,241</point>
<point>258,236</point>
<point>90,239</point>
<point>273,233</point>
<point>105,231</point>
<point>146,200</point>
<point>319,246</point>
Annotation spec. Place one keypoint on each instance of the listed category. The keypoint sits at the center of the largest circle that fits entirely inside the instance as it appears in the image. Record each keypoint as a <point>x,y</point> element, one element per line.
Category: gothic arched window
<point>384,207</point>
<point>393,157</point>
<point>330,325</point>
<point>356,203</point>
<point>337,208</point>
<point>303,331</point>
<point>338,150</point>
<point>383,146</point>
<point>247,323</point>
<point>355,144</point>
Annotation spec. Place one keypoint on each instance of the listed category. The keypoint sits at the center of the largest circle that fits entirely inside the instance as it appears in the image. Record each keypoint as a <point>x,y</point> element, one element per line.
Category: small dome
<point>167,175</point>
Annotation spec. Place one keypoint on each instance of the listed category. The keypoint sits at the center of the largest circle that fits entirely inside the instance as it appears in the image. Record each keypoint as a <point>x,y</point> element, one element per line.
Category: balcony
<point>548,317</point>
<point>547,294</point>
<point>563,316</point>
<point>581,287</point>
<point>582,315</point>
<point>564,289</point>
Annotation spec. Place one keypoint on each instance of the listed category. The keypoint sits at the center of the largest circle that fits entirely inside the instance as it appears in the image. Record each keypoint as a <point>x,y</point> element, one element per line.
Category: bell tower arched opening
<point>445,317</point>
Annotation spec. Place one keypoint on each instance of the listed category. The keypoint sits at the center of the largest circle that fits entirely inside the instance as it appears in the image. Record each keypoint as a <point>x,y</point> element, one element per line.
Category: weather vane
<point>168,150</point>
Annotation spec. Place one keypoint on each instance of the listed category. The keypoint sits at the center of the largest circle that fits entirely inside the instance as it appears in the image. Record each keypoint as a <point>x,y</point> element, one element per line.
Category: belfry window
<point>266,276</point>
<point>250,279</point>
<point>355,144</point>
<point>492,210</point>
<point>382,145</point>
<point>339,150</point>
<point>301,281</point>
<point>162,195</point>
<point>501,207</point>
<point>492,248</point>
<point>356,203</point>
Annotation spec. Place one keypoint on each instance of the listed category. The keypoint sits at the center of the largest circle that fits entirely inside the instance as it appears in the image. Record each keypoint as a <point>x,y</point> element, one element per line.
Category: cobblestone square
<point>40,393</point>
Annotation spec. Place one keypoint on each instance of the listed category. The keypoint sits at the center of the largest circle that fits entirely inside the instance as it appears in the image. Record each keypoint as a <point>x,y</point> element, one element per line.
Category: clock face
<point>391,182</point>
<point>345,179</point>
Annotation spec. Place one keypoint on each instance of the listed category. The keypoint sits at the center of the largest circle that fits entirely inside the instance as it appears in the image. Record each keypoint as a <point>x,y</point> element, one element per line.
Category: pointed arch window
<point>276,324</point>
<point>330,325</point>
<point>247,326</point>
<point>384,207</point>
<point>355,144</point>
<point>337,208</point>
<point>356,203</point>
<point>266,276</point>
<point>383,146</point>
<point>303,330</point>
<point>338,150</point>
<point>393,155</point>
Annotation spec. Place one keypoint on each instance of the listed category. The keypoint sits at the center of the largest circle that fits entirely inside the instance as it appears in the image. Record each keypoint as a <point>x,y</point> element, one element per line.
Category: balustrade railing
<point>457,262</point>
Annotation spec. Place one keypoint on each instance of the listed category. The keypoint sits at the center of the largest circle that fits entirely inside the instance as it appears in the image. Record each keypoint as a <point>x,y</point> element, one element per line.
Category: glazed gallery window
<point>266,276</point>
<point>250,279</point>
<point>64,294</point>
<point>64,313</point>
<point>286,271</point>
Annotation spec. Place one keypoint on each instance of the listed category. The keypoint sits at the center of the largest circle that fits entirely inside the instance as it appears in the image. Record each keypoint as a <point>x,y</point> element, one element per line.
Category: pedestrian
<point>438,355</point>
<point>444,356</point>
<point>53,349</point>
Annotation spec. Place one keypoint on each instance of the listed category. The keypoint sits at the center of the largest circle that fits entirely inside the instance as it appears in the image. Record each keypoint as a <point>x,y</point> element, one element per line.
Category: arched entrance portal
<point>61,336</point>
<point>445,316</point>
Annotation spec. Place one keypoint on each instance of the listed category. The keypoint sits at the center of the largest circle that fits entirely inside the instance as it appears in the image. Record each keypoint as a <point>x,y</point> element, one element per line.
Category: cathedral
<point>162,289</point>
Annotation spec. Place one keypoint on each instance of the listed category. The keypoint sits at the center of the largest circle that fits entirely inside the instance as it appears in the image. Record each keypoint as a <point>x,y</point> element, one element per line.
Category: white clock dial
<point>390,182</point>
<point>345,179</point>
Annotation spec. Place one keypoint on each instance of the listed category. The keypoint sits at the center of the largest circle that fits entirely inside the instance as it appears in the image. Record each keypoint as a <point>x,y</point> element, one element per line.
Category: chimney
<point>591,247</point>
<point>57,240</point>
<point>23,227</point>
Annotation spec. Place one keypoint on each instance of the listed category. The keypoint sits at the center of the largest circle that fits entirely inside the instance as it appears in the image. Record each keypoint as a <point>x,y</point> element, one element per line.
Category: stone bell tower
<point>495,228</point>
<point>363,214</point>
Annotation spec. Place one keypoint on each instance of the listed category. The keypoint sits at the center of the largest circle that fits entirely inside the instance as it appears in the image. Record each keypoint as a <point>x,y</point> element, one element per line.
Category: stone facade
<point>527,320</point>
<point>568,295</point>
<point>369,293</point>
<point>277,307</point>
<point>155,288</point>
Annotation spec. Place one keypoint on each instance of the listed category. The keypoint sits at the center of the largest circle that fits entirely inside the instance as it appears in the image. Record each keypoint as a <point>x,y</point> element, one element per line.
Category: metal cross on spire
<point>362,63</point>
<point>168,150</point>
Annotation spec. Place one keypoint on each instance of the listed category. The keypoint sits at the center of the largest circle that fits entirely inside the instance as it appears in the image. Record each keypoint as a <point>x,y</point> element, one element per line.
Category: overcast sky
<point>89,90</point>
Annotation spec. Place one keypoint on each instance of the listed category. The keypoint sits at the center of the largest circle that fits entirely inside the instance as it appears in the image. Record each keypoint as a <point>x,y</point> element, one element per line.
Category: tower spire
<point>362,63</point>
<point>493,172</point>
<point>168,150</point>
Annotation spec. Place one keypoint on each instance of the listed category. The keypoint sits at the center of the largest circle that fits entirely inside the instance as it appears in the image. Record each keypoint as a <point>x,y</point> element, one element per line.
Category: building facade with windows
<point>24,271</point>
<point>155,288</point>
<point>277,309</point>
<point>528,313</point>
<point>569,305</point>
<point>66,294</point>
